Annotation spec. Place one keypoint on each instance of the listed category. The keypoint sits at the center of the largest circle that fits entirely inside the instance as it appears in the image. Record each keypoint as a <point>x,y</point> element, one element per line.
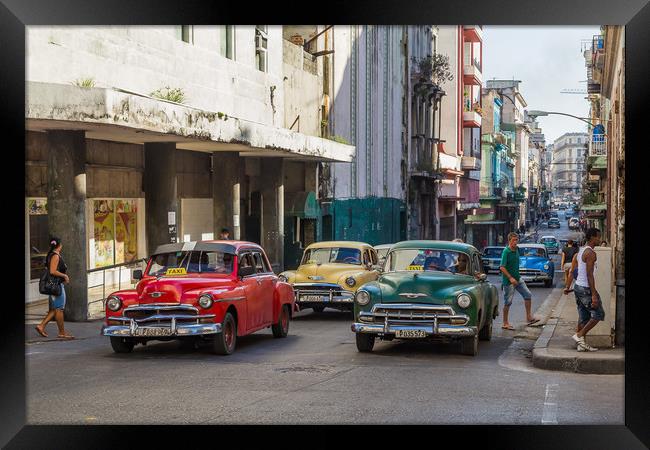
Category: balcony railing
<point>597,145</point>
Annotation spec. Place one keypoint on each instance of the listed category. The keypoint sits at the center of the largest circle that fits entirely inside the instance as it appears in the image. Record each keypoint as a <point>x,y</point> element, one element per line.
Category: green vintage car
<point>433,290</point>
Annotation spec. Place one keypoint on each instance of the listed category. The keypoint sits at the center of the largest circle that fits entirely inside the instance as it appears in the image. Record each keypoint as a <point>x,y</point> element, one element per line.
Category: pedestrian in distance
<point>56,266</point>
<point>225,234</point>
<point>590,307</point>
<point>568,252</point>
<point>511,281</point>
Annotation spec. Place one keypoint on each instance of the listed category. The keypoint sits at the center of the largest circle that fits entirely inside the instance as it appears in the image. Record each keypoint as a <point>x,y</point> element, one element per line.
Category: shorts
<point>509,292</point>
<point>58,302</point>
<point>583,302</point>
<point>566,266</point>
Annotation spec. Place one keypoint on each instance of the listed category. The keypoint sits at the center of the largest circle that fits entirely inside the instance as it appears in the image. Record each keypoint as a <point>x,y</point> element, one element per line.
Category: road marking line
<point>549,414</point>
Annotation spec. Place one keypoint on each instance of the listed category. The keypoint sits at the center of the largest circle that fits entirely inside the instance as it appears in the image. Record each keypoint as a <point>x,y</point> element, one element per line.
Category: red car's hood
<point>171,289</point>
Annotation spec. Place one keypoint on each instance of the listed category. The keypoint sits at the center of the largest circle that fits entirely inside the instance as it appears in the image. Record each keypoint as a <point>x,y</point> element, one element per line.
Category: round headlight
<point>205,301</point>
<point>546,266</point>
<point>113,303</point>
<point>282,278</point>
<point>350,281</point>
<point>363,298</point>
<point>464,300</point>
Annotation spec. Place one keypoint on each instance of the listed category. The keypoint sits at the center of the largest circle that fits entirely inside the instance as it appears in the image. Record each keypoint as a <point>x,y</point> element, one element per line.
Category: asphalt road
<point>315,375</point>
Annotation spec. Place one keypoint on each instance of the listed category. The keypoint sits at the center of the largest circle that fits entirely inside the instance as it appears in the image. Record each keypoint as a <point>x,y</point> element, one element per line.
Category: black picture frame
<point>634,14</point>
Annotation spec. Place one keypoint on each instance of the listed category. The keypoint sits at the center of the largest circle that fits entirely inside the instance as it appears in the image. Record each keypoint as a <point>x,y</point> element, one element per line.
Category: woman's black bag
<point>49,284</point>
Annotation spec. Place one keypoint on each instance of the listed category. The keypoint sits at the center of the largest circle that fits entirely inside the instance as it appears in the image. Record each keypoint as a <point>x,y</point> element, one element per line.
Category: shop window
<point>39,236</point>
<point>115,232</point>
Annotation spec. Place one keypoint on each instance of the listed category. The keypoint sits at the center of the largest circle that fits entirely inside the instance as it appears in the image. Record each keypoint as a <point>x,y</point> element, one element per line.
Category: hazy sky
<point>546,59</point>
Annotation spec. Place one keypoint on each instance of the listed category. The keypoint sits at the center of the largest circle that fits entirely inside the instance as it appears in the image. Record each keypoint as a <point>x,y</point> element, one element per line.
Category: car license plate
<point>410,333</point>
<point>153,331</point>
<point>313,298</point>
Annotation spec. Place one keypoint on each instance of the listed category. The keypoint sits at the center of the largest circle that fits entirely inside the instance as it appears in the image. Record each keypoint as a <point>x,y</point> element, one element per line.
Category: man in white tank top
<point>590,308</point>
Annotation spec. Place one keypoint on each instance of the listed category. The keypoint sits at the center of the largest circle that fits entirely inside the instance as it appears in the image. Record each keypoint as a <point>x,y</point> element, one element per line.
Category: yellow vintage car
<point>330,273</point>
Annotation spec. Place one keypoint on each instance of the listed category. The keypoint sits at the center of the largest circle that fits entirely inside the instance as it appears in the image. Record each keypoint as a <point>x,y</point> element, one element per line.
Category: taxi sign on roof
<point>176,271</point>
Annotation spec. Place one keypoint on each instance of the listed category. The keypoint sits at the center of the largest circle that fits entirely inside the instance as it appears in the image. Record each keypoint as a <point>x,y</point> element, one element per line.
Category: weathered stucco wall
<point>145,58</point>
<point>367,110</point>
<point>100,106</point>
<point>303,90</point>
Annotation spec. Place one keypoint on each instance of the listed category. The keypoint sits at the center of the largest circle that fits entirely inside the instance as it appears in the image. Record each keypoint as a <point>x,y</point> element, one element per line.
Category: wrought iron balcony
<point>597,145</point>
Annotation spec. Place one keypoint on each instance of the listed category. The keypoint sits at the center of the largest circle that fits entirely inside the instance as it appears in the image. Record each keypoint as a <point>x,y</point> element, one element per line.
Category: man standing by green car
<point>511,281</point>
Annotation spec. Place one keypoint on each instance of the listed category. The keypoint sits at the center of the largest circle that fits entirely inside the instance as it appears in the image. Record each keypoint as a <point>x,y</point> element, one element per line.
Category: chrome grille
<point>531,272</point>
<point>413,314</point>
<point>162,313</point>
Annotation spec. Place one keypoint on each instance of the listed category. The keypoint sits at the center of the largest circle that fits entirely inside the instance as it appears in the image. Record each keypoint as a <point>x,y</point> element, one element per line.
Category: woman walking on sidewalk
<point>55,264</point>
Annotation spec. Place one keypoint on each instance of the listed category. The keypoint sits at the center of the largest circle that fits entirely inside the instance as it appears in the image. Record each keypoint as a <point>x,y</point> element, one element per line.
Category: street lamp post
<point>535,113</point>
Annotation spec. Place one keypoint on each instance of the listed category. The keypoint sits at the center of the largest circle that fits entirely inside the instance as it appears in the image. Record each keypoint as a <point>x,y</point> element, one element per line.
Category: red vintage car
<point>207,290</point>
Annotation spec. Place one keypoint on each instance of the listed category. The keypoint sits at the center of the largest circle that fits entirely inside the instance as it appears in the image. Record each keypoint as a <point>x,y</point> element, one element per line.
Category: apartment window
<point>434,44</point>
<point>185,33</point>
<point>227,41</point>
<point>261,47</point>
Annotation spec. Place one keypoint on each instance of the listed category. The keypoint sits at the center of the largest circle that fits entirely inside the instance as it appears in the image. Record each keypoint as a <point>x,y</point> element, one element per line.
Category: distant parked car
<point>574,223</point>
<point>554,222</point>
<point>491,258</point>
<point>551,243</point>
<point>535,265</point>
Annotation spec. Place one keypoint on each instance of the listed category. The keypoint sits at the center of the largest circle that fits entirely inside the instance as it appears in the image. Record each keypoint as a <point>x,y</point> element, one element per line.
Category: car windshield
<point>343,255</point>
<point>493,252</point>
<point>428,260</point>
<point>548,241</point>
<point>192,262</point>
<point>531,251</point>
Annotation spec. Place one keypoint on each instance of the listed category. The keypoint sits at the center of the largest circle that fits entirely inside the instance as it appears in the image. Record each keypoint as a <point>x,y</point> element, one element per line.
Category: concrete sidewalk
<point>36,311</point>
<point>556,350</point>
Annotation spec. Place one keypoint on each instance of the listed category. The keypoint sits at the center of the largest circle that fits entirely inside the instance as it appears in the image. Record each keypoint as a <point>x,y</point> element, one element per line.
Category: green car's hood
<point>438,286</point>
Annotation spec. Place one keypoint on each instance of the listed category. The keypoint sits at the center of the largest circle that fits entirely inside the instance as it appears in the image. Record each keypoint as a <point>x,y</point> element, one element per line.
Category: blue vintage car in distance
<point>491,258</point>
<point>535,265</point>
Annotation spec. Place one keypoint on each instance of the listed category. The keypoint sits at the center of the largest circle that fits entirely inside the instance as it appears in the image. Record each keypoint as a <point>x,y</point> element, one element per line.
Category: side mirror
<point>378,268</point>
<point>482,277</point>
<point>246,271</point>
<point>136,274</point>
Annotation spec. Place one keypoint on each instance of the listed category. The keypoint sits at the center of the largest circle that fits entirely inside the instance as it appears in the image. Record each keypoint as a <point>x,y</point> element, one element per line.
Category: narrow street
<point>227,174</point>
<point>315,375</point>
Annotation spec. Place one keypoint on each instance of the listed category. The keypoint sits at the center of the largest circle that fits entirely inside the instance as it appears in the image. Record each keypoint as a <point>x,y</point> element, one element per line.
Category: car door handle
<point>258,281</point>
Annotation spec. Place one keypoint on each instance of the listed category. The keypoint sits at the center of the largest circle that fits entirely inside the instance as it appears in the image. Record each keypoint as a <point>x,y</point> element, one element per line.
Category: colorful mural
<point>104,232</point>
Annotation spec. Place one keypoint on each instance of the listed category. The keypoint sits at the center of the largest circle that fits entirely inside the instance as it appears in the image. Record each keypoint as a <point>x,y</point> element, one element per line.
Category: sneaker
<point>578,339</point>
<point>586,347</point>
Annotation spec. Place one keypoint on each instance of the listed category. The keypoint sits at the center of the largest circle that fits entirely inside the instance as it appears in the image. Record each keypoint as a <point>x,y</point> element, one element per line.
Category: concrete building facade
<point>138,136</point>
<point>568,164</point>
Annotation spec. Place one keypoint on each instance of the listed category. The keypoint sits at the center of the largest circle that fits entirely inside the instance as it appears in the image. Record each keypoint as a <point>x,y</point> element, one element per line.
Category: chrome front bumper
<point>322,293</point>
<point>133,329</point>
<point>536,277</point>
<point>430,330</point>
